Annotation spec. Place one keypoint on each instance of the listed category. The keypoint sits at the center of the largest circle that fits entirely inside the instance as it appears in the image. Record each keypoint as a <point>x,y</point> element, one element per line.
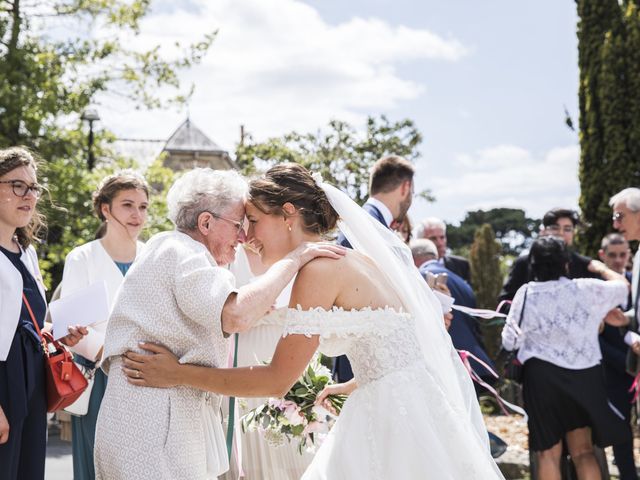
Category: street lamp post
<point>90,115</point>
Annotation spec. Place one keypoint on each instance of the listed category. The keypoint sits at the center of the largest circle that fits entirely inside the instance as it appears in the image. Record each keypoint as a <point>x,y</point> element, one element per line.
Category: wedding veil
<point>395,261</point>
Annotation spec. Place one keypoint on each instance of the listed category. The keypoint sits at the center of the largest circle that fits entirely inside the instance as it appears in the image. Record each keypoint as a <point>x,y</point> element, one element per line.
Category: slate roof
<point>189,138</point>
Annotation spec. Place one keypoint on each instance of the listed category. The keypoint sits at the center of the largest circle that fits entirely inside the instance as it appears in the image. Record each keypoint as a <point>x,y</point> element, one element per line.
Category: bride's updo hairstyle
<point>292,183</point>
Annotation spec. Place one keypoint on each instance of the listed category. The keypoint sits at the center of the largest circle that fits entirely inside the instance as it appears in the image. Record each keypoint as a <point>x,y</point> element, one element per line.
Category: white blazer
<point>11,295</point>
<point>88,264</point>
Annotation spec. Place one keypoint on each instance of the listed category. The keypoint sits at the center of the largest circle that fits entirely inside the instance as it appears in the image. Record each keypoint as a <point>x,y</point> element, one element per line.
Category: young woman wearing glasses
<point>23,403</point>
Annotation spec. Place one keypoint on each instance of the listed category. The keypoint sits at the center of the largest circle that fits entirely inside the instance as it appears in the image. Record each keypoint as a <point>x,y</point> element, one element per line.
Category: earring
<point>289,227</point>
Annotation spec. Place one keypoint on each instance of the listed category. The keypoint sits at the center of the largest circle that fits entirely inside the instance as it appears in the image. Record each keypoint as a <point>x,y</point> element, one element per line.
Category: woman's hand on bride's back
<point>307,251</point>
<point>159,368</point>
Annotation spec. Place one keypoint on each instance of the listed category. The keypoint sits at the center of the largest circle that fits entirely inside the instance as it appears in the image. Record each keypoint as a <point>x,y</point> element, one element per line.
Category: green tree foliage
<point>609,60</point>
<point>52,67</point>
<point>486,278</point>
<point>511,226</point>
<point>68,203</point>
<point>484,260</point>
<point>44,76</point>
<point>339,153</point>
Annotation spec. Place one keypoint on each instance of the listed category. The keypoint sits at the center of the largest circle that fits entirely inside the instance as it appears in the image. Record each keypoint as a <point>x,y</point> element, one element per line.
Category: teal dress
<point>84,427</point>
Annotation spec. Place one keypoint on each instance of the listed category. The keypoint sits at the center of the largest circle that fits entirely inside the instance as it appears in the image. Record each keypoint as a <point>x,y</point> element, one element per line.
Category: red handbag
<point>64,380</point>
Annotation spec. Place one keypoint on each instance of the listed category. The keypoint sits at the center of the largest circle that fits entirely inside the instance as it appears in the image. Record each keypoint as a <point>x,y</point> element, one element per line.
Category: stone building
<point>188,148</point>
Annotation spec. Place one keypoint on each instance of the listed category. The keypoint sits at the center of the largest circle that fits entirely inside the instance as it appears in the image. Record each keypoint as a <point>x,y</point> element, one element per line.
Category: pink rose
<point>292,414</point>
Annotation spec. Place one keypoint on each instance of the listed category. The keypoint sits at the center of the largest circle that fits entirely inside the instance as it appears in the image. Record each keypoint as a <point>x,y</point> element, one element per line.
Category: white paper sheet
<point>479,312</point>
<point>631,337</point>
<point>88,307</point>
<point>446,302</point>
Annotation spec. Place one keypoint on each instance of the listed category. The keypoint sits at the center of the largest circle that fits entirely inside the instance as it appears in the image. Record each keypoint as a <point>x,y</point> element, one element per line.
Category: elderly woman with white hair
<point>178,294</point>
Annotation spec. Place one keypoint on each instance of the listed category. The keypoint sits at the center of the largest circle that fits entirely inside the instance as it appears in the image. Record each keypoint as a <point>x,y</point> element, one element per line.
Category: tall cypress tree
<point>486,277</point>
<point>609,60</point>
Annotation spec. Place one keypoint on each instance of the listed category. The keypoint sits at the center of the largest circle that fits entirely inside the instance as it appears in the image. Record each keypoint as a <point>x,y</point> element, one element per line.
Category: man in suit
<point>615,253</point>
<point>435,230</point>
<point>464,329</point>
<point>560,222</point>
<point>390,192</point>
<point>626,219</point>
<point>390,195</point>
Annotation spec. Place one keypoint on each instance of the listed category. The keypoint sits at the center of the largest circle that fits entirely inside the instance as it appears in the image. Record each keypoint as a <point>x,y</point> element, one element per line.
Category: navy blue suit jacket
<point>371,210</point>
<point>464,329</point>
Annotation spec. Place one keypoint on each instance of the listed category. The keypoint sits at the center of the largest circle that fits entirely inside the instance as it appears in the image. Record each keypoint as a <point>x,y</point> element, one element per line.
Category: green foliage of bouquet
<point>296,415</point>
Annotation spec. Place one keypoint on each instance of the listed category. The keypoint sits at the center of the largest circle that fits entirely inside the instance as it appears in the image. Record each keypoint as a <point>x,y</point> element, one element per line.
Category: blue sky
<point>485,82</point>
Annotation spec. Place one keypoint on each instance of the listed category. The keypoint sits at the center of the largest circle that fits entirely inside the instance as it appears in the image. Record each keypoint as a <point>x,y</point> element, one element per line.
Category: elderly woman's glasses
<point>20,188</point>
<point>239,225</point>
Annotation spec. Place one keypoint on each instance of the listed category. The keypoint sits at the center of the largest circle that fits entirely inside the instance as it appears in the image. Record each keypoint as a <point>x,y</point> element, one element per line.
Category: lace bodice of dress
<point>376,342</point>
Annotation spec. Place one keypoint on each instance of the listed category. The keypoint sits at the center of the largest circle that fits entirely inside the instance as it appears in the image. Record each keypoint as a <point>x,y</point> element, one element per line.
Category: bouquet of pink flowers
<point>297,415</point>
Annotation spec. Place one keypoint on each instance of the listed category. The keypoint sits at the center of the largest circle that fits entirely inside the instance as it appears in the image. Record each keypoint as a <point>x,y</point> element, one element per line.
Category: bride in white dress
<point>413,413</point>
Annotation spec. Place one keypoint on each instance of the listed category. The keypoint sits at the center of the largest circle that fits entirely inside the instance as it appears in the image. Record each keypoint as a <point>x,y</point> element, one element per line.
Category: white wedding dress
<point>414,414</point>
<point>398,423</point>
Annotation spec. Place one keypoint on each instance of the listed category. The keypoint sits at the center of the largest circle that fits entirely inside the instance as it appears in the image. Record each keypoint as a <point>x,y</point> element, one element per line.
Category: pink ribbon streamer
<point>502,304</point>
<point>635,388</point>
<point>464,356</point>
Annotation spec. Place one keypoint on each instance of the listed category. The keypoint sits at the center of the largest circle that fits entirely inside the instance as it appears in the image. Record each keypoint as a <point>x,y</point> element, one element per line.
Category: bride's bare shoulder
<point>318,283</point>
<point>335,270</point>
<point>322,266</point>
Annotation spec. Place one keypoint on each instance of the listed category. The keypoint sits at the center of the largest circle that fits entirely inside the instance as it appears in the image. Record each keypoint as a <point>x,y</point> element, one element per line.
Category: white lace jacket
<point>561,320</point>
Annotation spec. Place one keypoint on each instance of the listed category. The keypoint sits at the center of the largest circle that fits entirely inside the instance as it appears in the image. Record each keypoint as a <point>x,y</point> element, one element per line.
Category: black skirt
<point>559,400</point>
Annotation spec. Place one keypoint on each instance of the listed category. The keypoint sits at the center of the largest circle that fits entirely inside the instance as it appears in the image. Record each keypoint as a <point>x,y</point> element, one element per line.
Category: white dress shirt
<point>384,210</point>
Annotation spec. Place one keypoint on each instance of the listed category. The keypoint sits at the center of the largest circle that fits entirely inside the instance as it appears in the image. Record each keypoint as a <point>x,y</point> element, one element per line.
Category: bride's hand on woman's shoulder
<point>307,251</point>
<point>158,368</point>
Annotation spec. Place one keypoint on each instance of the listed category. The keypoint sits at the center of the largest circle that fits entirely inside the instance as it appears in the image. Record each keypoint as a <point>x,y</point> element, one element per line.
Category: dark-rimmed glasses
<point>557,228</point>
<point>20,188</point>
<point>617,216</point>
<point>238,224</point>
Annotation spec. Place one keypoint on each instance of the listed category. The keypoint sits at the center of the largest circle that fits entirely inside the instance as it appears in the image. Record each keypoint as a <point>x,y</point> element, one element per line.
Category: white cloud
<point>277,65</point>
<point>506,176</point>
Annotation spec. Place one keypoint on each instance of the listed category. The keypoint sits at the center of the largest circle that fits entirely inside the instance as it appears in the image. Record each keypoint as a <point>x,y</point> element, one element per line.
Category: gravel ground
<point>515,461</point>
